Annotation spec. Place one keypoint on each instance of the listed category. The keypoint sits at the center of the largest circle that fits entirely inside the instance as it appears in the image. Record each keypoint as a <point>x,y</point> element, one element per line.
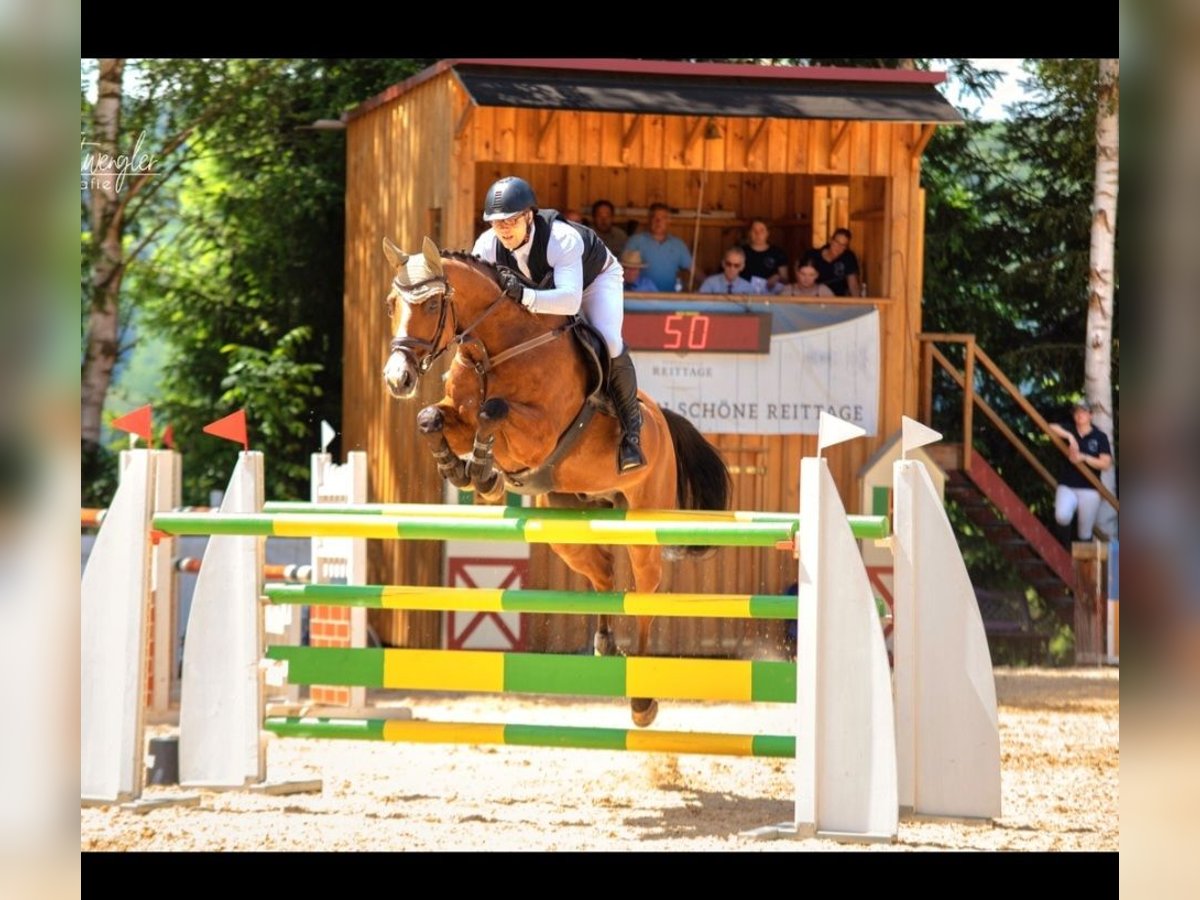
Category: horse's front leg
<point>431,422</point>
<point>482,466</point>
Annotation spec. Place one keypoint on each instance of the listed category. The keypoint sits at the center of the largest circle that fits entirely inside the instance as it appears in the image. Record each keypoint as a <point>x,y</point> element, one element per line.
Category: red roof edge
<point>724,70</point>
<point>662,67</point>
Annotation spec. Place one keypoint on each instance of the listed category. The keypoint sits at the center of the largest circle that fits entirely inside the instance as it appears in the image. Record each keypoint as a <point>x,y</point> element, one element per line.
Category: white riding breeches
<point>604,306</point>
<point>1085,501</point>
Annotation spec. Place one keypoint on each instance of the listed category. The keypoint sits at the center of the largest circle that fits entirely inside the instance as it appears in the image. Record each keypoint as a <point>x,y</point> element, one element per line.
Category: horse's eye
<point>432,305</point>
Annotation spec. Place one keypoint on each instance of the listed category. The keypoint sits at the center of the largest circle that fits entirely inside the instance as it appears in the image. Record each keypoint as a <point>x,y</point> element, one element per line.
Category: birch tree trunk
<point>1101,279</point>
<point>107,221</point>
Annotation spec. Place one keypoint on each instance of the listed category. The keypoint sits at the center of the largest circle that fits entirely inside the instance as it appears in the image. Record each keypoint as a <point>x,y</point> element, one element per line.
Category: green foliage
<point>238,253</point>
<point>98,476</point>
<point>1008,233</point>
<point>279,392</point>
<point>1007,243</point>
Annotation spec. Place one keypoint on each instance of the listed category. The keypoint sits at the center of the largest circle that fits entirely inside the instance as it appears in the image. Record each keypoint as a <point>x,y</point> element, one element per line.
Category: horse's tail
<point>701,477</point>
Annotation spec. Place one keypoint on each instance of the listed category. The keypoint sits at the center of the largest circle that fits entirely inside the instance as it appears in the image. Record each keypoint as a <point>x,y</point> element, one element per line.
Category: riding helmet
<point>506,198</point>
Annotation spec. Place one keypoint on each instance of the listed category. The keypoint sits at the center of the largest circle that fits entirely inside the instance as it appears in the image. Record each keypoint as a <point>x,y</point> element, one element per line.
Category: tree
<point>1101,274</point>
<point>133,145</point>
<point>235,265</point>
<point>107,257</point>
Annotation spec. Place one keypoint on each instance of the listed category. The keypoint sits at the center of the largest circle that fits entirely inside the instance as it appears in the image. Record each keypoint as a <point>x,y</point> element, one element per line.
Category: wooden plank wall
<point>405,158</point>
<point>396,174</point>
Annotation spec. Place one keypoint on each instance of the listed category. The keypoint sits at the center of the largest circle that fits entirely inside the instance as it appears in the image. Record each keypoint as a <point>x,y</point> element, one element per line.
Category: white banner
<point>834,368</point>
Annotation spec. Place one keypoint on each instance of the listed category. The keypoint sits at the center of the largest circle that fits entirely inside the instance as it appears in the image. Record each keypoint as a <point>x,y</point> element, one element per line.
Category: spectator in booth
<point>636,279</point>
<point>763,259</point>
<point>729,280</point>
<point>667,257</point>
<point>836,265</point>
<point>806,283</point>
<point>613,236</point>
<point>1075,497</point>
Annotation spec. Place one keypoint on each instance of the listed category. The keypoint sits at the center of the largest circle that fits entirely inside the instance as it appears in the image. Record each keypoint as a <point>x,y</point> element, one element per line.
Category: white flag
<point>913,435</point>
<point>831,430</point>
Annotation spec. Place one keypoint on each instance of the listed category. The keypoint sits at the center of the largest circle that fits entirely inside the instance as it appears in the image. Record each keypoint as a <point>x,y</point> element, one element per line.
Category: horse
<point>515,419</point>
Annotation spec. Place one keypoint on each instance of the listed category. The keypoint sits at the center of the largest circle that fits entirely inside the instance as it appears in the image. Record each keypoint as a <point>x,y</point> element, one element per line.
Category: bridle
<point>443,294</point>
<point>410,346</point>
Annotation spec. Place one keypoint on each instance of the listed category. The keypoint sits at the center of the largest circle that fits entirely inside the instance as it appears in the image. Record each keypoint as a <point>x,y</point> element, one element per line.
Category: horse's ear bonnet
<point>394,254</point>
<point>433,257</point>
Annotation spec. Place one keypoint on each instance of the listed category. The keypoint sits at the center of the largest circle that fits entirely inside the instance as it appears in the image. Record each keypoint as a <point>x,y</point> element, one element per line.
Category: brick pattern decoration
<point>329,626</point>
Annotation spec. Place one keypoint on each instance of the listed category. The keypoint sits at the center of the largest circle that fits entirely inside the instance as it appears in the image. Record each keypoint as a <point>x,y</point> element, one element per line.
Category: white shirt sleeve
<point>564,253</point>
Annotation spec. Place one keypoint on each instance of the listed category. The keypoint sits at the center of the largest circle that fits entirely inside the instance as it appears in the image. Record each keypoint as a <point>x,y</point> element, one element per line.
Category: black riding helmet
<point>506,198</point>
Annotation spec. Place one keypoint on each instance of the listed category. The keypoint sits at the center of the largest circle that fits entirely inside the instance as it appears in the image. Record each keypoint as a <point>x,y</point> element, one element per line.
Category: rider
<point>585,278</point>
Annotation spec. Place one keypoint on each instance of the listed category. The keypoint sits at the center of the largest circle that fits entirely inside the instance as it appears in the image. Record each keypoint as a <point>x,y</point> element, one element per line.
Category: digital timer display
<point>698,332</point>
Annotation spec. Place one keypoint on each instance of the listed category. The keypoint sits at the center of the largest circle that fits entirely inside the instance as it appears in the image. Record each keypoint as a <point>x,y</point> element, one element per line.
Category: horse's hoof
<point>430,421</point>
<point>643,711</point>
<point>493,491</point>
<point>604,644</point>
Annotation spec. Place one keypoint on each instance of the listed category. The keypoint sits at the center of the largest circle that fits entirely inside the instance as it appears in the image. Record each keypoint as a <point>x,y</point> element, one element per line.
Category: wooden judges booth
<point>807,149</point>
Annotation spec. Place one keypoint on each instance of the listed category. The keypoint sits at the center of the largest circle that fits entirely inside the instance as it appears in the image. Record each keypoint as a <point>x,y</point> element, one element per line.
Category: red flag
<point>232,428</point>
<point>168,437</point>
<point>136,422</point>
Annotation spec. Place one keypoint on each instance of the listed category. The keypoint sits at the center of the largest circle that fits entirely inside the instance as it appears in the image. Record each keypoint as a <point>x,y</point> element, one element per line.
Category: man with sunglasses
<point>729,280</point>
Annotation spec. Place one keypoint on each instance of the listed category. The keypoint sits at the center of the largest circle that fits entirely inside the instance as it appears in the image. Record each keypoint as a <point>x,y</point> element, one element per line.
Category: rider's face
<point>512,231</point>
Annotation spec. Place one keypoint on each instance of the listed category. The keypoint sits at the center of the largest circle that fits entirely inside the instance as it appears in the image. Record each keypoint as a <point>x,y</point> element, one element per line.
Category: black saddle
<point>595,353</point>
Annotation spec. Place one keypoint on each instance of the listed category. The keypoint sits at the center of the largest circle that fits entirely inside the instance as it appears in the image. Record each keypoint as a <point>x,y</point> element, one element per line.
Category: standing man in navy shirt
<point>1089,446</point>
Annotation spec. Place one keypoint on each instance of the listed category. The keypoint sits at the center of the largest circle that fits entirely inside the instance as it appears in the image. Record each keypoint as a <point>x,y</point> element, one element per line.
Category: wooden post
<point>1091,602</point>
<point>926,413</point>
<point>968,400</point>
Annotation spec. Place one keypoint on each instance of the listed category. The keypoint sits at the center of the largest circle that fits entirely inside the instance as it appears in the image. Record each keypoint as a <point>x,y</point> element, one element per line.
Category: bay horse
<point>518,415</point>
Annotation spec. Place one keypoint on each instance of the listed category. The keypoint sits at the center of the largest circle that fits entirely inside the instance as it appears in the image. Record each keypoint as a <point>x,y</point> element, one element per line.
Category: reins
<point>482,367</point>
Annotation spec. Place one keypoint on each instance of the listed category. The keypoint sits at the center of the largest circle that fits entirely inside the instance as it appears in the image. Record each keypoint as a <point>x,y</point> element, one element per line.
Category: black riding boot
<point>622,388</point>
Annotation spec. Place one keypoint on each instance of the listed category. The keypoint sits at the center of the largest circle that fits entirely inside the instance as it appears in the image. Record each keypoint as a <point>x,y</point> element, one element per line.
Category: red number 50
<point>697,332</point>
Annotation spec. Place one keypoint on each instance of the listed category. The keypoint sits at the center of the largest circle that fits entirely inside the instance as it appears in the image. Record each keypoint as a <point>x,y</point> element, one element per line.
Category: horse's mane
<point>479,262</point>
<point>491,269</point>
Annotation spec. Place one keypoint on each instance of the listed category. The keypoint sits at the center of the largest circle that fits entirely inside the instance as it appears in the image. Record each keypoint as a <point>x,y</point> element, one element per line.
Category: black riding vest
<point>595,254</point>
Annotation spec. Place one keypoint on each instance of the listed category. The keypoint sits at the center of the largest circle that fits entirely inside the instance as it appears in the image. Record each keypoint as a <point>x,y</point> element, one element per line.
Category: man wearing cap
<point>636,279</point>
<point>1088,446</point>
<point>575,274</point>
